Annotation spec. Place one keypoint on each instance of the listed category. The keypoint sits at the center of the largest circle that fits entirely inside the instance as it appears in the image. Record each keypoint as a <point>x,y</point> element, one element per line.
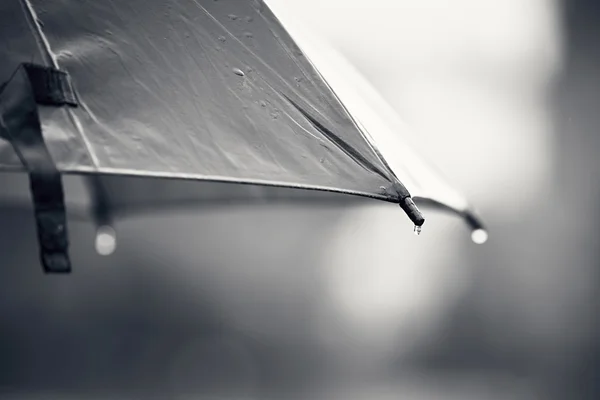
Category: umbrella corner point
<point>412,211</point>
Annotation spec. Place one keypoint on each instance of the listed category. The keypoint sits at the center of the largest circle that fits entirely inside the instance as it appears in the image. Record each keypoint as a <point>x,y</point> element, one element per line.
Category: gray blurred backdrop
<point>306,302</point>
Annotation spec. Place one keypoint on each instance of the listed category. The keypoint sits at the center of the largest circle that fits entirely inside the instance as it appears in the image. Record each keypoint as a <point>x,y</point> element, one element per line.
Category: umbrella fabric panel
<point>204,90</point>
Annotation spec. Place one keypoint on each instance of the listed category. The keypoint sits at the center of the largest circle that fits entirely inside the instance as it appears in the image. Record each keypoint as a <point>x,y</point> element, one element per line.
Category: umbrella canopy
<point>142,98</point>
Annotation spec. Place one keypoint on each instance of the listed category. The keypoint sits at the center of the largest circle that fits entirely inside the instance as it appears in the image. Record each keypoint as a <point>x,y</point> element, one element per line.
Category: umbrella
<point>130,106</point>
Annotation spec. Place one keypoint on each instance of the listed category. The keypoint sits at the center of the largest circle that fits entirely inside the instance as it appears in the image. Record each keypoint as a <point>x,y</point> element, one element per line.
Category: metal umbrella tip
<point>413,212</point>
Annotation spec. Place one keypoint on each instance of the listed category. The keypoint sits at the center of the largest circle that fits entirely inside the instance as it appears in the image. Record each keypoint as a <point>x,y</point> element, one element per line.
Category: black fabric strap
<point>51,87</point>
<point>29,86</point>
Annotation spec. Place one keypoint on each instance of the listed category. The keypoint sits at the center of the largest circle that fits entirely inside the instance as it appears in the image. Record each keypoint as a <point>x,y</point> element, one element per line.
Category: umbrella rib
<point>402,190</point>
<point>389,176</point>
<point>363,132</point>
<point>405,201</point>
<point>50,58</point>
<point>337,141</point>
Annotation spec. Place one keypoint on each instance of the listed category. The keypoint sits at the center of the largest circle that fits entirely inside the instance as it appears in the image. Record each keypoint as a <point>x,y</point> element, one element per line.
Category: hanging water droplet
<point>479,236</point>
<point>106,240</point>
<point>418,230</point>
<point>238,72</point>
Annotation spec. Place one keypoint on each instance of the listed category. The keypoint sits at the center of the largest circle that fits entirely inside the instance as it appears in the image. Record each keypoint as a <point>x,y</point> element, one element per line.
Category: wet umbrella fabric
<point>213,91</point>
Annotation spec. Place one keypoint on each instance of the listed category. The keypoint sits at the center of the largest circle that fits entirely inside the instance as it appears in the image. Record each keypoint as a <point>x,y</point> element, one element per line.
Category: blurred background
<point>307,302</point>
